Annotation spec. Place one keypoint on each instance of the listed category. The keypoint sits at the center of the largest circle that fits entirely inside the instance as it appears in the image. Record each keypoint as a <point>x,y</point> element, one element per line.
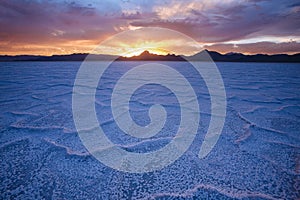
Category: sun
<point>136,52</point>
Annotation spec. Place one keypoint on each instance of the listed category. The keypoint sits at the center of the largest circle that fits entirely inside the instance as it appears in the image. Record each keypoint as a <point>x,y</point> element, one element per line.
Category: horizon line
<point>85,53</point>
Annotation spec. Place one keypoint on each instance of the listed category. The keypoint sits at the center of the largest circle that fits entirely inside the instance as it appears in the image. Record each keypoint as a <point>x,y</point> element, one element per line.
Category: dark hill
<point>146,56</point>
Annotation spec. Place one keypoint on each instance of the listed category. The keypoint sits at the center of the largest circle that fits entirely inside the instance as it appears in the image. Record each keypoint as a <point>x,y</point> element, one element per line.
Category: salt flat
<point>256,157</point>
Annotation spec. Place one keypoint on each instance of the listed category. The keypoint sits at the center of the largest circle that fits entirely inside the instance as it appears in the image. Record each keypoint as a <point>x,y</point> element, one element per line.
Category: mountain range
<point>146,56</point>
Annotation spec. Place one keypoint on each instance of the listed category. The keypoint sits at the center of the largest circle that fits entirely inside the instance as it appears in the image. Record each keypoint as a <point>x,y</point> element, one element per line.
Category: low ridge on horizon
<point>148,56</point>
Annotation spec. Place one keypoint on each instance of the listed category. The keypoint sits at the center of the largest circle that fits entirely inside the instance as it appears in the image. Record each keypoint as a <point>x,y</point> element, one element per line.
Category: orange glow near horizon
<point>140,40</point>
<point>155,40</point>
<point>141,50</point>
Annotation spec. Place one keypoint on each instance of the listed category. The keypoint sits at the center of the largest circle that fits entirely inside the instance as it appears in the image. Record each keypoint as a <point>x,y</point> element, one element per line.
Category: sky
<point>40,27</point>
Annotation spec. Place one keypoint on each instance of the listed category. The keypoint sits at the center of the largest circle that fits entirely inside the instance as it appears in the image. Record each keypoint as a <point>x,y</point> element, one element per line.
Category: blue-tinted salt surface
<point>256,157</point>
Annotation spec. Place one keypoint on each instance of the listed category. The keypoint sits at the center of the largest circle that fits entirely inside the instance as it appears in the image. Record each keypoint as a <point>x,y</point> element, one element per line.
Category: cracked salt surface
<point>256,157</point>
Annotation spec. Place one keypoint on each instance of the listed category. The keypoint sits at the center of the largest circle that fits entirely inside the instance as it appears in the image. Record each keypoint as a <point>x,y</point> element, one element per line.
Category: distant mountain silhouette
<point>239,57</point>
<point>70,57</point>
<point>147,56</point>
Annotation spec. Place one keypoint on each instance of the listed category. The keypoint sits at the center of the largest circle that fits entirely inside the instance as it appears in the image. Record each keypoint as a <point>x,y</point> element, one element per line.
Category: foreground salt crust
<point>257,156</point>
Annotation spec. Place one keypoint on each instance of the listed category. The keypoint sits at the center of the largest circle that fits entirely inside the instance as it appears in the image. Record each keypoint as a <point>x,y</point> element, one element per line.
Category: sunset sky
<point>43,27</point>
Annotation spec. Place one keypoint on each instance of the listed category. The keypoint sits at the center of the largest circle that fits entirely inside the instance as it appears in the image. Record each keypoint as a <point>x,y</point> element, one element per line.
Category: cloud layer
<point>60,27</point>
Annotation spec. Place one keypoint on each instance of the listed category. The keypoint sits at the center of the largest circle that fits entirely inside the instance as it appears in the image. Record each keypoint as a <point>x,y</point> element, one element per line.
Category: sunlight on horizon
<point>137,52</point>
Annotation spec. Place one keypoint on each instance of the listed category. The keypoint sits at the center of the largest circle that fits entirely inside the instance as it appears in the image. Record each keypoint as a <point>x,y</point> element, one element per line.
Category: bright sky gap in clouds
<point>43,27</point>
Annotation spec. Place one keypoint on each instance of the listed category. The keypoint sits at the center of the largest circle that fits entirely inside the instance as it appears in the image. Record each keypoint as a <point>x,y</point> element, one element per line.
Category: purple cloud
<point>259,47</point>
<point>79,26</point>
